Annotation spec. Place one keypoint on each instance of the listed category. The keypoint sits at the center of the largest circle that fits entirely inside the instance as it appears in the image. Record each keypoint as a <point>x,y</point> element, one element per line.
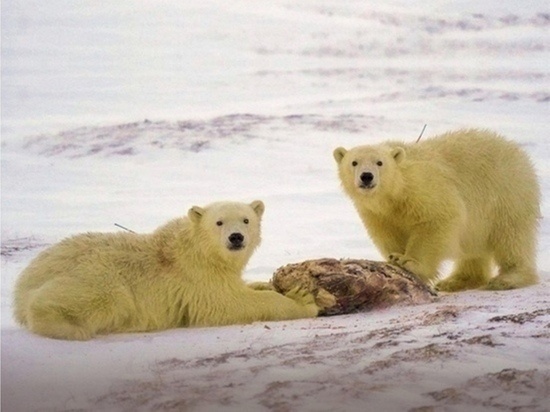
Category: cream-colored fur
<point>470,196</point>
<point>186,273</point>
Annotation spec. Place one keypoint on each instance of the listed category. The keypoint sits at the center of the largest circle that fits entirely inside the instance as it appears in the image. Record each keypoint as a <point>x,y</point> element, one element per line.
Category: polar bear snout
<point>236,241</point>
<point>366,180</point>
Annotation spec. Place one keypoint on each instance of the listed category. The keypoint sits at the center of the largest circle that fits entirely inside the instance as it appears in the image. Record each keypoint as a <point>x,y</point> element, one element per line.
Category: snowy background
<point>131,112</point>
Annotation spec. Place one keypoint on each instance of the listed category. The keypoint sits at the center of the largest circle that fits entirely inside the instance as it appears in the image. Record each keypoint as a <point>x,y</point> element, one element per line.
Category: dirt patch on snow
<point>189,135</point>
<point>13,246</point>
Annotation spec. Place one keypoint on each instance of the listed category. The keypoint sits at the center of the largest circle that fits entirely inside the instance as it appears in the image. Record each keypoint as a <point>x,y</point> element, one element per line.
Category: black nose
<point>367,177</point>
<point>236,239</point>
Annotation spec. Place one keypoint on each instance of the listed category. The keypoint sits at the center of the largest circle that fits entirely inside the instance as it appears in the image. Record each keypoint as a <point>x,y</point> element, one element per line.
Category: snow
<point>130,113</point>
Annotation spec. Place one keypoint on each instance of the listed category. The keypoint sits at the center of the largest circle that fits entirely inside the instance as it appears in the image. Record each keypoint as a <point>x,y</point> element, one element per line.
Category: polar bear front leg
<point>264,305</point>
<point>469,273</point>
<point>295,304</point>
<point>427,247</point>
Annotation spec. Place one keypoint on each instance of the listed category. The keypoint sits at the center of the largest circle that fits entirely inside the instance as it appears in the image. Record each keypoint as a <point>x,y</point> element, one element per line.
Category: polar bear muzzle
<point>236,241</point>
<point>367,180</point>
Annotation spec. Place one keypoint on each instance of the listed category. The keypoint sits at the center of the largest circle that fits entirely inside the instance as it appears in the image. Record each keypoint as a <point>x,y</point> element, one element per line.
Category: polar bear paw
<point>304,298</point>
<point>261,286</point>
<point>412,265</point>
<point>403,261</point>
<point>301,295</point>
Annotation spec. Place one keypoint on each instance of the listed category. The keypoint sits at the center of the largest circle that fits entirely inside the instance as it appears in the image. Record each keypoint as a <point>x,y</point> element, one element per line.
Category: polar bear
<point>470,196</point>
<point>186,273</point>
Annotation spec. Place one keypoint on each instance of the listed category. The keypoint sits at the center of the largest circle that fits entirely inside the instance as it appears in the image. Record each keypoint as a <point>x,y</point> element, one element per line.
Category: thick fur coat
<point>186,273</point>
<point>470,196</point>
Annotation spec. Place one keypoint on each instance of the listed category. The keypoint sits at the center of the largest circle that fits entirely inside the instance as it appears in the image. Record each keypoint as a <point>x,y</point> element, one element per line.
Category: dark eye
<point>219,223</point>
<point>354,163</point>
<point>379,163</point>
<point>246,221</point>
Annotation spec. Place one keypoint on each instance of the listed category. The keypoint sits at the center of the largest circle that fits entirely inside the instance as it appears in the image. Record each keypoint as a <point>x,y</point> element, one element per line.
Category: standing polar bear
<point>470,196</point>
<point>186,273</point>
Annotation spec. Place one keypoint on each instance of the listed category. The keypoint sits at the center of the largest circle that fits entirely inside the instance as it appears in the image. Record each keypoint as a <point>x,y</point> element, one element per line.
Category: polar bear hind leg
<point>515,254</point>
<point>63,309</point>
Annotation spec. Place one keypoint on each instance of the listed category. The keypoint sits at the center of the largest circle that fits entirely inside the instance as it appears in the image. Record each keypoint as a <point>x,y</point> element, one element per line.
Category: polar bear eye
<point>354,163</point>
<point>219,223</point>
<point>379,163</point>
<point>246,221</point>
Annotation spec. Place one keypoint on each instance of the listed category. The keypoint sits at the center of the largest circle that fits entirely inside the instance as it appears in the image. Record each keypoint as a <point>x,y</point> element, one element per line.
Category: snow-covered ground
<point>131,112</point>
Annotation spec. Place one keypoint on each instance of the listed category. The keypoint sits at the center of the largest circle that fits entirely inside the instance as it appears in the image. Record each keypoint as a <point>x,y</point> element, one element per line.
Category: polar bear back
<point>494,176</point>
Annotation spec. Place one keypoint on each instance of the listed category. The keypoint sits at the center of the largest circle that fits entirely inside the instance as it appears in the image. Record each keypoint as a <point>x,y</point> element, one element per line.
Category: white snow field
<point>132,112</point>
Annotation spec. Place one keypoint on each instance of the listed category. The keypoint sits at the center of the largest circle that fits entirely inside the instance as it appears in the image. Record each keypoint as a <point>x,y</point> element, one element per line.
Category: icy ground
<point>131,112</point>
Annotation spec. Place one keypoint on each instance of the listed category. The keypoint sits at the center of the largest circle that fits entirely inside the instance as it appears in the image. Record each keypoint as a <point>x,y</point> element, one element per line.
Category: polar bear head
<point>367,171</point>
<point>228,230</point>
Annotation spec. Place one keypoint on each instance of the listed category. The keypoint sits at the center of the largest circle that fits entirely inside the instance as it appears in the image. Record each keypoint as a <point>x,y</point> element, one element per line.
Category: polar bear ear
<point>398,153</point>
<point>258,207</point>
<point>195,214</point>
<point>339,154</point>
